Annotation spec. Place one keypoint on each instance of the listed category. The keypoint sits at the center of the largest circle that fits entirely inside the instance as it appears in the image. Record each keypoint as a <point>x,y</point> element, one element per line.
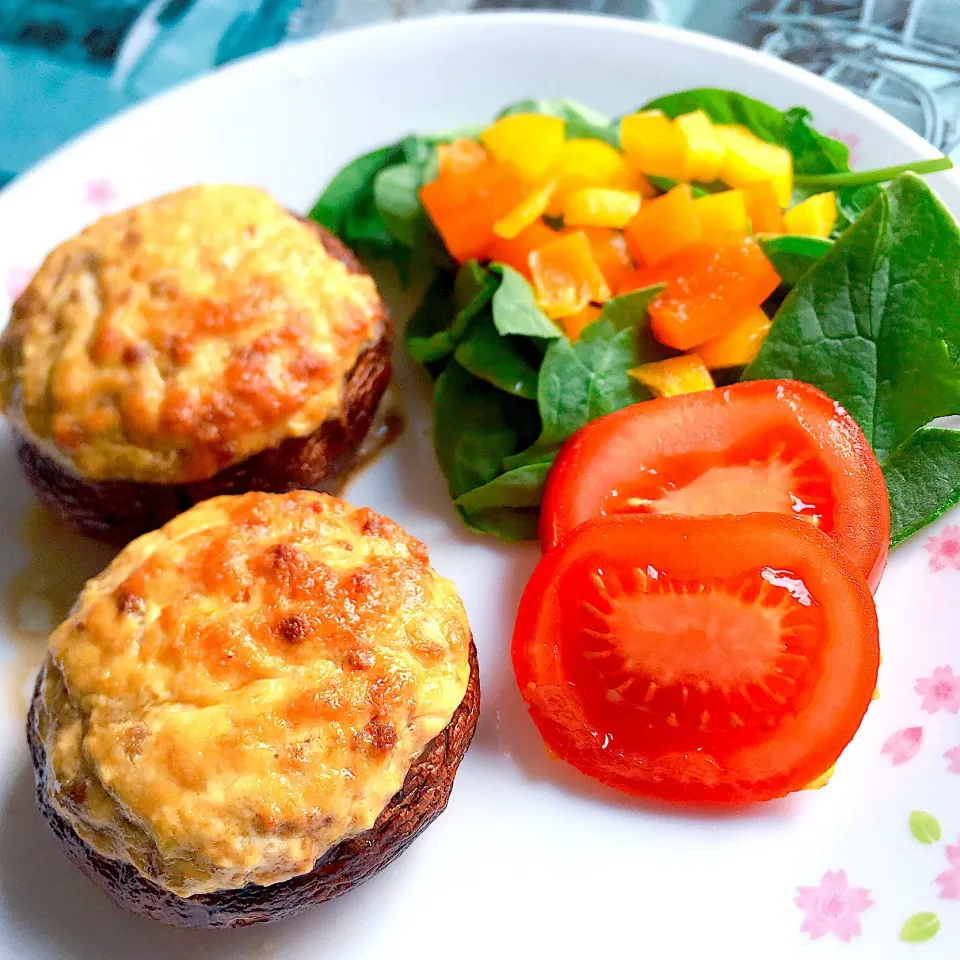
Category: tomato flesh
<point>761,446</point>
<point>703,659</point>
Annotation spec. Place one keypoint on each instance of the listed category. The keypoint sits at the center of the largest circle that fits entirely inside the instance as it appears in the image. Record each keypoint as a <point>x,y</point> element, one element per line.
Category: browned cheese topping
<point>167,342</point>
<point>249,685</point>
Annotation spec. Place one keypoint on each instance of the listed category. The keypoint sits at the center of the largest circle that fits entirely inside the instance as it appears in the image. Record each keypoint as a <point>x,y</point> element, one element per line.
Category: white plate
<point>531,859</point>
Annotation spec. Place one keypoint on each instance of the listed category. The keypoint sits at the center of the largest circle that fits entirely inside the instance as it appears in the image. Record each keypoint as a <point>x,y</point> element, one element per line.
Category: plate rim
<point>312,49</point>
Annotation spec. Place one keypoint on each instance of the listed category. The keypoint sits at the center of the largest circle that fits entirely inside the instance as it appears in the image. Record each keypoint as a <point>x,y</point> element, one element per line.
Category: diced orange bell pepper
<point>600,207</point>
<point>749,159</point>
<point>516,251</point>
<point>739,345</point>
<point>670,378</point>
<point>574,326</point>
<point>461,156</point>
<point>705,149</point>
<point>814,217</point>
<point>465,206</point>
<point>530,141</point>
<point>610,251</point>
<point>566,276</point>
<point>529,210</point>
<point>763,208</point>
<point>664,227</point>
<point>723,217</point>
<point>708,290</point>
<point>655,145</point>
<point>585,162</point>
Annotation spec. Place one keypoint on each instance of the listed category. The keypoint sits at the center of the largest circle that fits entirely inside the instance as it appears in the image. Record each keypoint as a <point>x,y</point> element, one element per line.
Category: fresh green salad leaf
<point>447,310</point>
<point>581,121</point>
<point>833,181</point>
<point>792,256</point>
<point>475,427</point>
<point>588,379</point>
<point>923,480</point>
<point>515,309</point>
<point>494,358</point>
<point>876,323</point>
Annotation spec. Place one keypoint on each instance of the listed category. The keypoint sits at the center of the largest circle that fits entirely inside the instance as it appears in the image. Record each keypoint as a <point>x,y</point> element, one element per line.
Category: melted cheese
<point>249,685</point>
<point>167,342</point>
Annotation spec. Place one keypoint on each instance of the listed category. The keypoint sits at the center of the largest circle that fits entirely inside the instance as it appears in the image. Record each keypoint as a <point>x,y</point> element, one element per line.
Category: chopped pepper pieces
<point>814,217</point>
<point>670,378</point>
<point>516,251</point>
<point>465,206</point>
<point>763,208</point>
<point>739,345</point>
<point>723,216</point>
<point>462,155</point>
<point>708,290</point>
<point>526,212</point>
<point>566,276</point>
<point>655,145</point>
<point>600,207</point>
<point>574,326</point>
<point>584,162</point>
<point>530,141</point>
<point>663,227</point>
<point>610,251</point>
<point>749,159</point>
<point>705,149</point>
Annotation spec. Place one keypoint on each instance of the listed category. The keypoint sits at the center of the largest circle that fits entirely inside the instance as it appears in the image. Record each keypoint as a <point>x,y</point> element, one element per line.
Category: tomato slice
<point>702,659</point>
<point>764,445</point>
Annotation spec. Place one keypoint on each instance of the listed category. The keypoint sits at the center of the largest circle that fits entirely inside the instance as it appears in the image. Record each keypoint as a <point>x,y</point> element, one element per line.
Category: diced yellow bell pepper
<point>530,141</point>
<point>600,207</point>
<point>526,212</point>
<point>705,149</point>
<point>567,277</point>
<point>739,345</point>
<point>670,378</point>
<point>822,780</point>
<point>763,208</point>
<point>574,326</point>
<point>655,145</point>
<point>586,162</point>
<point>814,217</point>
<point>723,217</point>
<point>749,159</point>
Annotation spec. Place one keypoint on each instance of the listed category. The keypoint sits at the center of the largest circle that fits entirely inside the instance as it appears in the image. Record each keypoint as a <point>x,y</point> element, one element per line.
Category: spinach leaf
<point>581,121</point>
<point>521,487</point>
<point>475,426</point>
<point>447,310</point>
<point>923,480</point>
<point>352,187</point>
<point>494,358</point>
<point>793,256</point>
<point>587,379</point>
<point>876,323</point>
<point>862,178</point>
<point>515,309</point>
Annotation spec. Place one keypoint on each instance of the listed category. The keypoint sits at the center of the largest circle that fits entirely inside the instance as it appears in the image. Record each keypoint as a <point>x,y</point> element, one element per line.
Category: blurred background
<point>66,64</point>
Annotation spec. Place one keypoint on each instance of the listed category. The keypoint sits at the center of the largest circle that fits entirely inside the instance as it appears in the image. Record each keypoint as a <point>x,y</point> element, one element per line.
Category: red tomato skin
<point>665,425</point>
<point>700,542</point>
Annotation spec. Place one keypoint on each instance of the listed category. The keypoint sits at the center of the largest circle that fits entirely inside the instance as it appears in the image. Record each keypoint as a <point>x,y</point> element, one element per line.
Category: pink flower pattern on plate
<point>949,880</point>
<point>953,755</point>
<point>939,692</point>
<point>100,193</point>
<point>17,280</point>
<point>852,141</point>
<point>903,745</point>
<point>944,549</point>
<point>833,907</point>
